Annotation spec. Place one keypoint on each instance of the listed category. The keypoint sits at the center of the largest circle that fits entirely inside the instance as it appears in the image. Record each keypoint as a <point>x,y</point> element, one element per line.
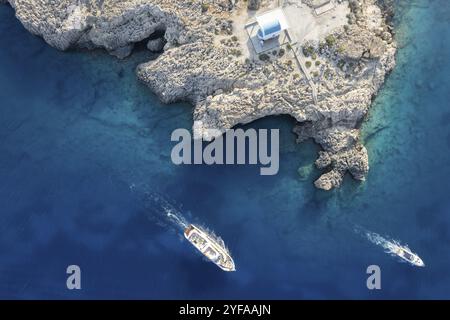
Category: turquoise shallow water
<point>77,130</point>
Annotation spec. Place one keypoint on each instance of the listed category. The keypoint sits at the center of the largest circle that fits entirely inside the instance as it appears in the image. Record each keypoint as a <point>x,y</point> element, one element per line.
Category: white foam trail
<point>159,207</point>
<point>173,214</point>
<point>178,219</point>
<point>375,238</point>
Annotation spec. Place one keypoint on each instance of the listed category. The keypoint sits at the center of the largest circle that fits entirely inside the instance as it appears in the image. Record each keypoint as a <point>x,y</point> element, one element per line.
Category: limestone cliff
<point>226,88</point>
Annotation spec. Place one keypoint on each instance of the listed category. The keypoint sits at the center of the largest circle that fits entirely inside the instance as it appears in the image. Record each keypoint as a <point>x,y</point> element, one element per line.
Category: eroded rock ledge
<point>203,63</point>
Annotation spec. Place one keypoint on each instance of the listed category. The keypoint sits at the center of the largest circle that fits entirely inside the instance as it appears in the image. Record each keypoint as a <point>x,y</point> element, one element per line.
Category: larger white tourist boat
<point>210,246</point>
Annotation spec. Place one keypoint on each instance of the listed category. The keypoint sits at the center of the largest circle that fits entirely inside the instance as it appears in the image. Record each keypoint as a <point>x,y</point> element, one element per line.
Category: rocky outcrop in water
<point>202,63</point>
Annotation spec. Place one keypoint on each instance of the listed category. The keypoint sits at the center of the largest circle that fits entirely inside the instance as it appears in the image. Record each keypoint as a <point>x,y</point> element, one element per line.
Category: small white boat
<point>405,253</point>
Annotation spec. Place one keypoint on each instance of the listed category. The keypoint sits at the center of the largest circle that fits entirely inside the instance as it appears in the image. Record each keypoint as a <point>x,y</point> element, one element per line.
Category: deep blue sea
<point>82,142</point>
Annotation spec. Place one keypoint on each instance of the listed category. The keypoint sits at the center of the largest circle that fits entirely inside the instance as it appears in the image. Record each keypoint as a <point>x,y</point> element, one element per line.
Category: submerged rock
<point>304,172</point>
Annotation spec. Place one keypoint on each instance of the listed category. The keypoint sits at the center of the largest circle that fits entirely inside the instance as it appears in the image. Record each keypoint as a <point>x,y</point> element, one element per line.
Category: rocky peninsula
<point>207,60</point>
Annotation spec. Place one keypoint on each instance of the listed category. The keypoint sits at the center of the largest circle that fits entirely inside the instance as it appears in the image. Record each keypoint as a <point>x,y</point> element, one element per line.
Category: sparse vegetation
<point>322,46</point>
<point>281,52</point>
<point>330,40</point>
<point>236,52</point>
<point>317,63</point>
<point>205,7</point>
<point>264,57</point>
<point>234,38</point>
<point>354,6</point>
<point>308,51</point>
<point>308,64</point>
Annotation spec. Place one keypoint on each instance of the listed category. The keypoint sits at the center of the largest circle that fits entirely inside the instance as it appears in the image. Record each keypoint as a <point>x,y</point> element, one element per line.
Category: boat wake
<point>159,208</point>
<point>165,211</point>
<point>171,212</point>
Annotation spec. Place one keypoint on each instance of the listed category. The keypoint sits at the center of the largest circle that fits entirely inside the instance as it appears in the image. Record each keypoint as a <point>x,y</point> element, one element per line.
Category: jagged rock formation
<point>362,55</point>
<point>114,25</point>
<point>226,89</point>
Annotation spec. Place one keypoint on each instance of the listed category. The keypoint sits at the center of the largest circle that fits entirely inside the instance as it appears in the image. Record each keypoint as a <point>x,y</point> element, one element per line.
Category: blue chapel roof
<point>271,26</point>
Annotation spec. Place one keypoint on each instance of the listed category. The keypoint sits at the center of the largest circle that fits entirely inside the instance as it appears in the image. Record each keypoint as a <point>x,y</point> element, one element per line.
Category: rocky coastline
<point>202,62</point>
